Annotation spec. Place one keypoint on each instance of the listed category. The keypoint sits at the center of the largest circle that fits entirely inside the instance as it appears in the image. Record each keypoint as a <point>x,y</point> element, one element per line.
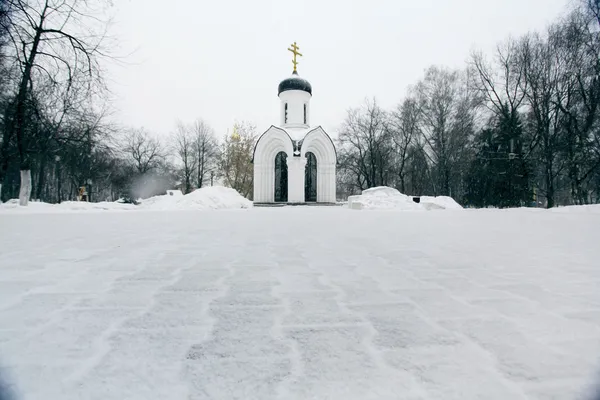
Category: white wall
<point>295,99</point>
<point>269,144</point>
<point>296,179</point>
<point>319,143</point>
<point>275,140</point>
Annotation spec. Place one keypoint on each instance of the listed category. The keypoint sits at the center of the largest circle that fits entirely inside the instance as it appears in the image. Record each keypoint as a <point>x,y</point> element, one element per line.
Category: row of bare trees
<point>54,132</point>
<point>516,127</point>
<point>513,127</point>
<point>197,149</point>
<point>50,61</point>
<point>189,158</point>
<point>136,163</point>
<point>417,147</point>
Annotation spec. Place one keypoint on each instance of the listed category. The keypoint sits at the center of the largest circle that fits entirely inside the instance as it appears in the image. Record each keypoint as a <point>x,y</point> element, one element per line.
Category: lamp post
<point>58,182</point>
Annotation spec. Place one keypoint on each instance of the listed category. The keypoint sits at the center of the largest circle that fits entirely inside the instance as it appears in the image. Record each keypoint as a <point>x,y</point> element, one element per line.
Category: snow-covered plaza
<point>300,303</point>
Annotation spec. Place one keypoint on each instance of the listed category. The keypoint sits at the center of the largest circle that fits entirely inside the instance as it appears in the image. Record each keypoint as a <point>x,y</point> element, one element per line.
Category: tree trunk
<point>549,189</point>
<point>200,168</point>
<point>58,183</point>
<point>20,116</point>
<point>4,159</point>
<point>41,179</point>
<point>25,190</point>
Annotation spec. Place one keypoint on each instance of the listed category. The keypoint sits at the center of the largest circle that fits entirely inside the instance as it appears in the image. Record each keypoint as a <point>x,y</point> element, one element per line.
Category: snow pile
<point>442,202</point>
<point>85,206</point>
<point>213,197</point>
<point>382,197</point>
<point>386,198</point>
<point>589,208</point>
<point>65,206</point>
<point>161,202</point>
<point>14,204</point>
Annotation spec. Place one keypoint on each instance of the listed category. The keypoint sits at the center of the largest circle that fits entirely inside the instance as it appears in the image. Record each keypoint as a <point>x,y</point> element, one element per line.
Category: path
<point>300,303</point>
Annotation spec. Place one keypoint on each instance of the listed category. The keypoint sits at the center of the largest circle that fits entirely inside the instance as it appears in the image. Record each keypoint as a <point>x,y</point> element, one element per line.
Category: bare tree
<point>542,71</point>
<point>502,83</point>
<point>206,151</point>
<point>4,12</point>
<point>418,172</point>
<point>55,40</point>
<point>5,9</point>
<point>184,145</point>
<point>592,9</point>
<point>235,159</point>
<point>447,108</point>
<point>365,146</point>
<point>145,152</point>
<point>578,99</point>
<point>405,129</point>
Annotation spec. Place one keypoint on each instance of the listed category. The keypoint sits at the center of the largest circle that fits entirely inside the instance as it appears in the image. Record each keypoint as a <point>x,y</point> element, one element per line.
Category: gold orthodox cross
<point>294,49</point>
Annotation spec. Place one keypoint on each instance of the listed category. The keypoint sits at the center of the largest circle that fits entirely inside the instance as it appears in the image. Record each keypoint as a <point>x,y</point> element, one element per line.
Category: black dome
<point>294,82</point>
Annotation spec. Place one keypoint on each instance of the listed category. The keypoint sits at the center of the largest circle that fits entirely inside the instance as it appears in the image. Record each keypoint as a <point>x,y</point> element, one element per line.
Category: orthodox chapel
<point>294,162</point>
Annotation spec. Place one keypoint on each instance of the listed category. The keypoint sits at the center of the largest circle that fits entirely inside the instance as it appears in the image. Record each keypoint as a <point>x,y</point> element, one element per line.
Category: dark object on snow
<point>127,200</point>
<point>417,200</point>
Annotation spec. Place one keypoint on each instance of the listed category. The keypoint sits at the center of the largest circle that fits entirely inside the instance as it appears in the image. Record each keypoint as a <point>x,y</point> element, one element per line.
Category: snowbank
<point>382,197</point>
<point>206,198</point>
<point>65,206</point>
<point>444,202</point>
<point>386,198</point>
<point>590,208</point>
<point>213,197</point>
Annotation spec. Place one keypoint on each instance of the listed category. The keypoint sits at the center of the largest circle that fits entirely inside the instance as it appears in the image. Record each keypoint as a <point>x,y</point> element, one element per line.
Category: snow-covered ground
<point>300,303</point>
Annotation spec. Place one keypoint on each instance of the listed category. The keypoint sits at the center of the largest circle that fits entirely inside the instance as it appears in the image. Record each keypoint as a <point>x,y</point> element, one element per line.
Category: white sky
<point>222,60</point>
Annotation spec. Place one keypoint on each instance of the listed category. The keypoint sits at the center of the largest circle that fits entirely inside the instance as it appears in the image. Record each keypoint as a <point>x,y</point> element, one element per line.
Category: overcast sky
<point>222,60</point>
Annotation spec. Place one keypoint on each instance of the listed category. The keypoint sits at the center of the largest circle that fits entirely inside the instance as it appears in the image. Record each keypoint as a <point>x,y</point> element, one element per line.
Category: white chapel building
<point>294,162</point>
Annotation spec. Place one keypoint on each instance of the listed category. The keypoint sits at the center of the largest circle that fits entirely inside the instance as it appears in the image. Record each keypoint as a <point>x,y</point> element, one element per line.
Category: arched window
<point>281,177</point>
<point>286,114</point>
<point>304,113</point>
<point>310,178</point>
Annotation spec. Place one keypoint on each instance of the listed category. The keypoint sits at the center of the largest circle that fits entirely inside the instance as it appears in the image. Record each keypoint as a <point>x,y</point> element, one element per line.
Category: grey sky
<point>222,60</point>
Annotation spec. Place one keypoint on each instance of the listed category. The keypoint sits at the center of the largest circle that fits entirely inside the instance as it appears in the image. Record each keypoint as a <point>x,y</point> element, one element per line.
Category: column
<point>296,179</point>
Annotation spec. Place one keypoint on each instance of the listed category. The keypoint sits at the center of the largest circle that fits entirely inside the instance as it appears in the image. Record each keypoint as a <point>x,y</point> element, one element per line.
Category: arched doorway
<point>281,177</point>
<point>310,178</point>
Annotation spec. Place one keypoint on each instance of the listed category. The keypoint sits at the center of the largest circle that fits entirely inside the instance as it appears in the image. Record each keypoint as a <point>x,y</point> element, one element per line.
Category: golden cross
<point>294,50</point>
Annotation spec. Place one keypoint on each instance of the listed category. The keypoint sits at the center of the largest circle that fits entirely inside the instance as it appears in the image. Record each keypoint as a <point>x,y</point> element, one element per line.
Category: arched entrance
<point>310,178</point>
<point>281,177</point>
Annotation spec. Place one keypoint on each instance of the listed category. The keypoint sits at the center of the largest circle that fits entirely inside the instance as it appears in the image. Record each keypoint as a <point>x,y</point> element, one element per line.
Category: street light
<point>58,186</point>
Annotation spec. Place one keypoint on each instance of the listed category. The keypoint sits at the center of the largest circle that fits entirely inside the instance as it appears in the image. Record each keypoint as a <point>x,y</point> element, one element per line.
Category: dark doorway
<point>281,177</point>
<point>310,178</point>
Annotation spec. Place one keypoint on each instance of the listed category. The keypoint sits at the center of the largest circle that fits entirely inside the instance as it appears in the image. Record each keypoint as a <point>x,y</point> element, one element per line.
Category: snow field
<point>300,303</point>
